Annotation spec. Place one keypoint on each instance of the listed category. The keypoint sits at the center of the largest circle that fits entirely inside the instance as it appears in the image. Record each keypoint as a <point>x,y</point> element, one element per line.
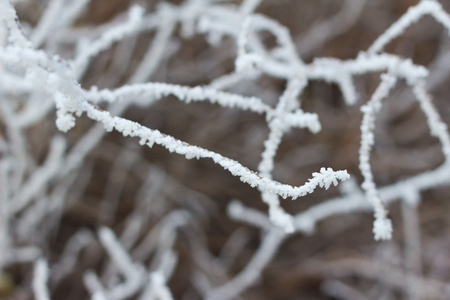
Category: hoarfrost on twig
<point>30,189</point>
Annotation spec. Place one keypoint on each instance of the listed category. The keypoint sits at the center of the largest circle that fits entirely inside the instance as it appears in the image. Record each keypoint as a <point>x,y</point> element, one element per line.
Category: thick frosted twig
<point>148,137</point>
<point>24,59</point>
<point>382,227</point>
<point>60,81</point>
<point>425,7</point>
<point>40,278</point>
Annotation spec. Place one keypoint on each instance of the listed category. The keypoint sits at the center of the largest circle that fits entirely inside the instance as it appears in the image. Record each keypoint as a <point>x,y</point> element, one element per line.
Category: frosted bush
<point>53,67</point>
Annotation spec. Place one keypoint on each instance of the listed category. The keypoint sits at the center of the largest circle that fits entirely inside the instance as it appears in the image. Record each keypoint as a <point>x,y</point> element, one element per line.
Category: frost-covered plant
<point>44,67</point>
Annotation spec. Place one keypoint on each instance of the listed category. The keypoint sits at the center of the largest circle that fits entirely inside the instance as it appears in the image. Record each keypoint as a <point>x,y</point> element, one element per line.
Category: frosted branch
<point>40,278</point>
<point>425,7</point>
<point>41,183</point>
<point>9,16</point>
<point>146,93</point>
<point>382,227</point>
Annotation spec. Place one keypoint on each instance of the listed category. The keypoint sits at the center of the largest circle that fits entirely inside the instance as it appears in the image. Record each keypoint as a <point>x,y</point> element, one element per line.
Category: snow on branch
<point>437,127</point>
<point>425,7</point>
<point>146,93</point>
<point>382,228</point>
<point>40,278</point>
<point>149,137</point>
<point>33,186</point>
<point>9,16</point>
